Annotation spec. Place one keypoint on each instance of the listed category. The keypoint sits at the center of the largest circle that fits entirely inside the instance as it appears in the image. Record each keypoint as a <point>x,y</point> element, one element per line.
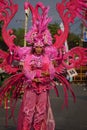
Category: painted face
<point>38,50</point>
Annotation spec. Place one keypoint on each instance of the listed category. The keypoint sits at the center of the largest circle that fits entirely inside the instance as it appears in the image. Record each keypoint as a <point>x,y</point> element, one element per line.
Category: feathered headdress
<point>39,34</point>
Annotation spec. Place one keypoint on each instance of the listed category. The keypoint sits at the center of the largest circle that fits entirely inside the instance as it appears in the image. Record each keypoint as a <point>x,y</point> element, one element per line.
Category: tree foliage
<point>73,40</point>
<point>53,28</point>
<point>3,46</point>
<point>19,33</point>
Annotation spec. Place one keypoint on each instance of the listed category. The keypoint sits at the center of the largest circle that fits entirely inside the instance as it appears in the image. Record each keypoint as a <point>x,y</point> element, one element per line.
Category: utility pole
<point>27,11</point>
<point>81,43</point>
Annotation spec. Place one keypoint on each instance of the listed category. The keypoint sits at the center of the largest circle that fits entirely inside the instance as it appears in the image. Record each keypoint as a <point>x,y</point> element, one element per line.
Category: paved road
<point>73,118</point>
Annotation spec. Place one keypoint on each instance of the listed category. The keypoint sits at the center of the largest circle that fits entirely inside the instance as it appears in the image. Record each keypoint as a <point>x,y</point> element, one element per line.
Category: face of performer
<point>38,50</point>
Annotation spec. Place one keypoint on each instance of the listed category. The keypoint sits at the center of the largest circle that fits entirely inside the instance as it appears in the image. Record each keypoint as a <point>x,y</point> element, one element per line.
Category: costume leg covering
<point>41,110</point>
<point>26,125</point>
<point>29,103</point>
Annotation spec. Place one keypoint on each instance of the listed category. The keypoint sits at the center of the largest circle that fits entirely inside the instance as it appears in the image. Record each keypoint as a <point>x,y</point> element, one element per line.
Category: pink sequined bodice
<point>34,66</point>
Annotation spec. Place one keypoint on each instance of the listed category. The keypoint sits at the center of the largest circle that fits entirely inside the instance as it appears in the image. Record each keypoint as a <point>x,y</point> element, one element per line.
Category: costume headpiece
<point>39,34</point>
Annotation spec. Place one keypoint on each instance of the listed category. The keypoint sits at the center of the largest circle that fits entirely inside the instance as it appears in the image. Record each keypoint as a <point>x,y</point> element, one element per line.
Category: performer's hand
<point>45,73</point>
<point>37,80</point>
<point>54,62</point>
<point>1,60</point>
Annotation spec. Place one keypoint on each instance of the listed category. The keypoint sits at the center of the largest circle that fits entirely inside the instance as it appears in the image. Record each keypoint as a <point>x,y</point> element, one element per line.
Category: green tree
<point>19,33</point>
<point>73,40</point>
<point>53,27</point>
<point>3,46</point>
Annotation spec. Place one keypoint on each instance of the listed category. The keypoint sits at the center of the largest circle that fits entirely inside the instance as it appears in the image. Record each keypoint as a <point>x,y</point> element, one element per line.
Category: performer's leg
<point>29,102</point>
<point>41,110</point>
<point>26,124</point>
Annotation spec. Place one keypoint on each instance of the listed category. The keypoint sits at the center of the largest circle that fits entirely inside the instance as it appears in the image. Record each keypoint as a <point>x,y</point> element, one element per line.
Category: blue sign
<point>85,36</point>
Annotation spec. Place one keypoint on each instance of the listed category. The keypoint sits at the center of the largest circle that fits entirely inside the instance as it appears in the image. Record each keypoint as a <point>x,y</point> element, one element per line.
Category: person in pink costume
<point>39,71</point>
<point>42,62</point>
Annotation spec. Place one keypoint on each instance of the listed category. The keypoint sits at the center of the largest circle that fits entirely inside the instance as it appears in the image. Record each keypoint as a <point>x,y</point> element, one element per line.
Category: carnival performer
<point>39,71</point>
<point>42,63</point>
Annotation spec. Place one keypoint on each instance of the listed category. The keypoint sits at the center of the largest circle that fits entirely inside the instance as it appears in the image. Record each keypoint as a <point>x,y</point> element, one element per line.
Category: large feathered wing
<point>68,11</point>
<point>76,57</point>
<point>15,82</point>
<point>72,59</point>
<point>7,11</point>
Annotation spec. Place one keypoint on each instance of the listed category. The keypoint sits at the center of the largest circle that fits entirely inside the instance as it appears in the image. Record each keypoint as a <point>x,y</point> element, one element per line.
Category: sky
<point>18,20</point>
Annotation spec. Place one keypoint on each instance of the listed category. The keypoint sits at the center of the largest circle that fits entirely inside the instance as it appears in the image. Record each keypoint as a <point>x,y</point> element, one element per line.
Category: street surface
<point>72,118</point>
